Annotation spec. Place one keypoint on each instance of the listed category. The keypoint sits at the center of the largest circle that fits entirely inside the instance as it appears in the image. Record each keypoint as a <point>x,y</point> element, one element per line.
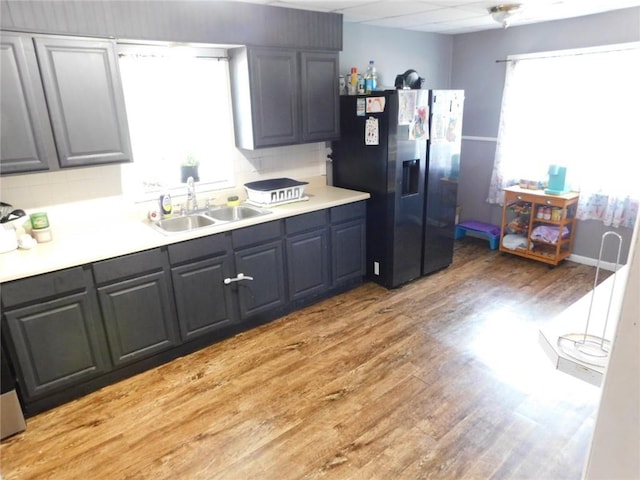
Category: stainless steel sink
<point>184,223</point>
<point>207,218</point>
<point>233,214</point>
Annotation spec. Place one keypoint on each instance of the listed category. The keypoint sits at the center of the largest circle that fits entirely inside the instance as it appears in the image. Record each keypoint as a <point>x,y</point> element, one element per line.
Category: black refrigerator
<point>403,147</point>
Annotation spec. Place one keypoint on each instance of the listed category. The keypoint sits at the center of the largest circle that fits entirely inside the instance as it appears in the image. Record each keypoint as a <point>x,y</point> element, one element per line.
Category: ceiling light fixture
<point>503,13</point>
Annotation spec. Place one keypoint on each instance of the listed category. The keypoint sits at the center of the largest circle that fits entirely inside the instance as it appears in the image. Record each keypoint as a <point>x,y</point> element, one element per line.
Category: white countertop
<point>90,238</point>
<point>605,307</point>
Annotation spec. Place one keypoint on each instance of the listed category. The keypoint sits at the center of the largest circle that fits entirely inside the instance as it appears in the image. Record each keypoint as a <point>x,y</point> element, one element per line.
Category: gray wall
<point>178,21</point>
<point>475,70</point>
<point>396,51</point>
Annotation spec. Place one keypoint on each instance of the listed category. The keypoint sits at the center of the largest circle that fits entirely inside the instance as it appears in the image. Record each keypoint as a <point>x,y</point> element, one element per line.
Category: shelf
<point>518,217</point>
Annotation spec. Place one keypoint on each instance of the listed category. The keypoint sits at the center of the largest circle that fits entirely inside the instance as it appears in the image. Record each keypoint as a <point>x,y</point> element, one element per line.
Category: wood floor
<point>442,379</point>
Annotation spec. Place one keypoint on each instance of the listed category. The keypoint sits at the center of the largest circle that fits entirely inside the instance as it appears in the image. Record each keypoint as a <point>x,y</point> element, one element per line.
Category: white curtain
<point>577,109</point>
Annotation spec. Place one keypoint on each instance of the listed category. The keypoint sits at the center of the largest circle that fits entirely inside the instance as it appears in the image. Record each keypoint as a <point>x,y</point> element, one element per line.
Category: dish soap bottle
<point>165,204</point>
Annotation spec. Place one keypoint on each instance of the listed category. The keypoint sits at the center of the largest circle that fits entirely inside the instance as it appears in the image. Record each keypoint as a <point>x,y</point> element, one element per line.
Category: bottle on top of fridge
<point>354,76</point>
<point>361,89</point>
<point>371,78</point>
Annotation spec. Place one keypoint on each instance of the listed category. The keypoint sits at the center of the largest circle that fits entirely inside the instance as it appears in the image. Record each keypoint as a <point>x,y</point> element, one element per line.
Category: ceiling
<point>449,16</point>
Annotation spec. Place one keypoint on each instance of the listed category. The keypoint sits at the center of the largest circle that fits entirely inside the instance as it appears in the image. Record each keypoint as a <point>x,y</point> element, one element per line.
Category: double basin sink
<point>207,218</point>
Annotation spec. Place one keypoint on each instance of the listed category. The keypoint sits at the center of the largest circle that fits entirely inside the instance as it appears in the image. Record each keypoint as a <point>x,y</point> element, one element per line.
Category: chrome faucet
<point>192,201</point>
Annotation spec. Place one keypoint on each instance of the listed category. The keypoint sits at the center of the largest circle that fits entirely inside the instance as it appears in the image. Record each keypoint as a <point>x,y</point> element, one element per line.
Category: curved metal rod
<point>595,283</point>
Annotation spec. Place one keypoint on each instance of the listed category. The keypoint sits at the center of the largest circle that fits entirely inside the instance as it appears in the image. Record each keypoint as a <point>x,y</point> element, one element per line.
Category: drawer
<point>552,201</point>
<point>211,246</point>
<point>305,222</point>
<point>260,233</point>
<point>522,197</point>
<point>41,287</point>
<point>537,198</point>
<point>128,265</point>
<point>348,212</point>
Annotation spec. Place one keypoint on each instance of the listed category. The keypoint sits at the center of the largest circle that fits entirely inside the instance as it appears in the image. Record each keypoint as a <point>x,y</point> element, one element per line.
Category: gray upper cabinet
<point>283,96</point>
<point>264,86</point>
<point>85,99</point>
<point>26,140</point>
<point>62,104</point>
<point>319,96</point>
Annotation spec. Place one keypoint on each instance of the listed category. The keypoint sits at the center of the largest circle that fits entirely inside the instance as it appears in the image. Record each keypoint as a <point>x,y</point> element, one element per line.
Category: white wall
<point>615,445</point>
<point>41,190</point>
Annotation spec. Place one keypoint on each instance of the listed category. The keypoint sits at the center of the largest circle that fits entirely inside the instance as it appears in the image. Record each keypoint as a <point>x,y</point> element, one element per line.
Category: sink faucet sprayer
<point>192,201</point>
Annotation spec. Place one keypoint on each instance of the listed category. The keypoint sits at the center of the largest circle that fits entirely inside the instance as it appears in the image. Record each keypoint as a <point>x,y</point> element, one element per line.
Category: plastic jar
<point>39,220</point>
<point>42,235</point>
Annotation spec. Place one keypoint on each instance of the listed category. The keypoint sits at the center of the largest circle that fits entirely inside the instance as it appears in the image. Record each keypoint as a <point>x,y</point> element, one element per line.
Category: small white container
<point>8,239</point>
<point>42,235</point>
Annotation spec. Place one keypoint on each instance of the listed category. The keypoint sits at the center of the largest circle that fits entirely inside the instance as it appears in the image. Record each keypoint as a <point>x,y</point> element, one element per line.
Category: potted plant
<point>189,168</point>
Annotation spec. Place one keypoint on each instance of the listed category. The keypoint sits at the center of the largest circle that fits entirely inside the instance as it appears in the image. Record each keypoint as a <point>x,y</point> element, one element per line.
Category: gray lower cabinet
<point>134,292</point>
<point>54,330</point>
<point>260,274</point>
<point>71,331</point>
<point>307,249</point>
<point>348,242</point>
<point>204,303</point>
<point>26,138</point>
<point>61,88</point>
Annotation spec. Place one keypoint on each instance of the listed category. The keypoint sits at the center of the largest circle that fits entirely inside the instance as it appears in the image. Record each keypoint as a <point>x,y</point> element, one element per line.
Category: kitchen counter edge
<point>78,245</point>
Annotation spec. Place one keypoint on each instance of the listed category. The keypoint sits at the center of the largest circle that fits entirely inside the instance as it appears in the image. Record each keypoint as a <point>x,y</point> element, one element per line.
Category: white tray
<point>276,191</point>
<point>275,204</point>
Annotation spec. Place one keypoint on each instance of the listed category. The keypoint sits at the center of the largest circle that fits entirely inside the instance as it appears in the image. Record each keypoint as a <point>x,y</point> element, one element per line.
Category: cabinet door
<point>204,303</point>
<point>138,317</point>
<point>58,343</point>
<point>348,251</point>
<point>319,96</point>
<point>264,263</point>
<point>308,264</point>
<point>26,140</point>
<point>85,98</point>
<point>273,75</point>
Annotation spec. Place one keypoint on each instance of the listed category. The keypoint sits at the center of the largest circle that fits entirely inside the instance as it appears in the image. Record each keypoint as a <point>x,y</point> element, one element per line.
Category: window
<point>577,109</point>
<point>178,108</point>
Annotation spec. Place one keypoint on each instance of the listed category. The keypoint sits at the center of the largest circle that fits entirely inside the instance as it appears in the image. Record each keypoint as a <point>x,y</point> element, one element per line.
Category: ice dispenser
<point>557,180</point>
<point>410,177</point>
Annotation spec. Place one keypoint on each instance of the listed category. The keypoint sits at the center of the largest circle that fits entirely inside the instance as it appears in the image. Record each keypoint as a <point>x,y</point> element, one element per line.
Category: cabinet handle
<point>241,276</point>
<point>549,202</point>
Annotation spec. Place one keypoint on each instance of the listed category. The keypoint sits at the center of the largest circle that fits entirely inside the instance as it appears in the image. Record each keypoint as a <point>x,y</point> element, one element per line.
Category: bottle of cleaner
<point>165,204</point>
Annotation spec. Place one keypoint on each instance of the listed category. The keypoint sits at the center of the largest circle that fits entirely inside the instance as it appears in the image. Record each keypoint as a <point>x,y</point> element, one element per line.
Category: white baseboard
<point>593,262</point>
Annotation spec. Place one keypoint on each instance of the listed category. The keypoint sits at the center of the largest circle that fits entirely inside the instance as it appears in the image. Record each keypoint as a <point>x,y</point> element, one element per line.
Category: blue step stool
<point>491,232</point>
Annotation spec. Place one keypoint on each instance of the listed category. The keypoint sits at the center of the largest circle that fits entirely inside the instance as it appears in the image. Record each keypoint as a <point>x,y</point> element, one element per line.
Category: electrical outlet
<point>376,268</point>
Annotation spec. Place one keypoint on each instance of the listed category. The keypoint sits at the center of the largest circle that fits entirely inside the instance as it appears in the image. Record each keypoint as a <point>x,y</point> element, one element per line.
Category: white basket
<point>276,191</point>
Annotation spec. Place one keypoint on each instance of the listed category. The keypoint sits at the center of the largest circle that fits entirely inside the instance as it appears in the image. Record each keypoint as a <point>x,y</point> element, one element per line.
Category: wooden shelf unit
<point>520,216</point>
